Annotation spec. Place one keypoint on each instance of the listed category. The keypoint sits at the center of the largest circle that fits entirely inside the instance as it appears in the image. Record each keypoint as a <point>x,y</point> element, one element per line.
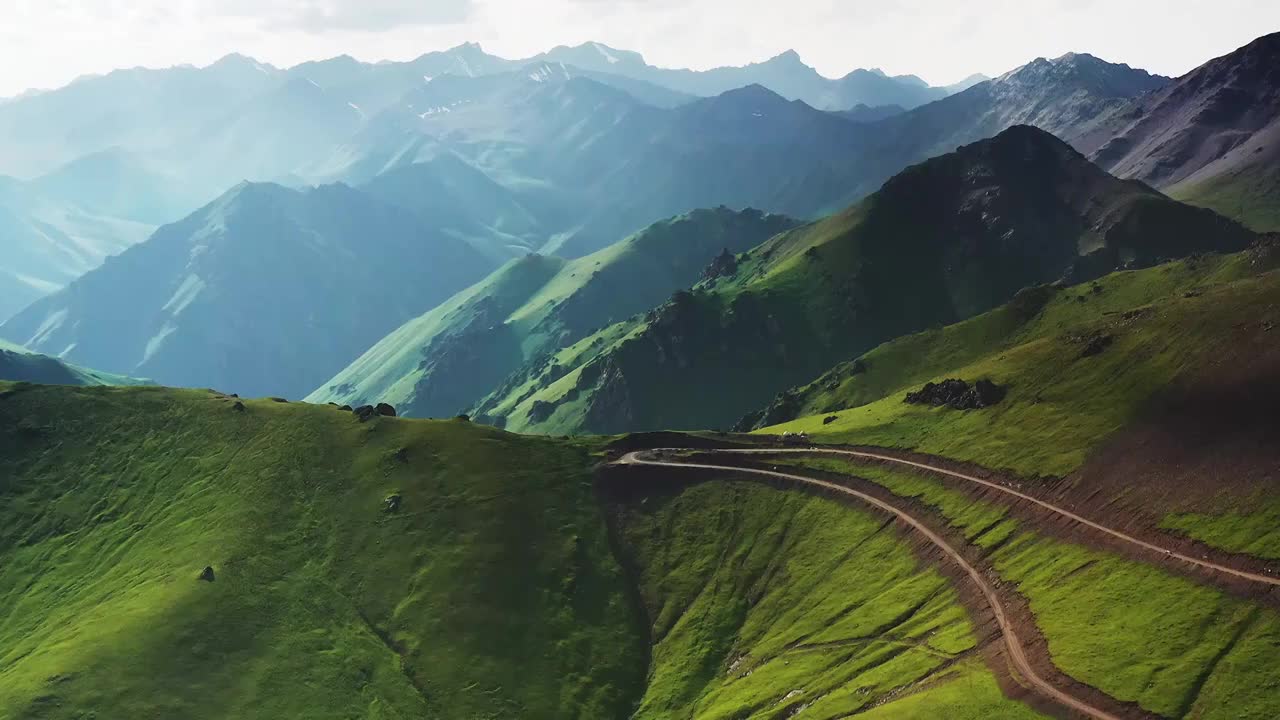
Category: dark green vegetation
<point>765,601</point>
<point>1080,363</point>
<point>942,241</point>
<point>18,364</point>
<point>266,291</point>
<point>445,361</point>
<point>1178,649</point>
<point>390,569</point>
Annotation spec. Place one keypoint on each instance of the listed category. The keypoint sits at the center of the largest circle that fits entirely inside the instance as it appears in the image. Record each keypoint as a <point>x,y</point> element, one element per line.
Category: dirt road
<point>1017,655</point>
<point>1199,562</point>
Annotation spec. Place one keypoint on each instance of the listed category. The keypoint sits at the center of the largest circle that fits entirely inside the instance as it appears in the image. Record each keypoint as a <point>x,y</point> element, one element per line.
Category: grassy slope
<point>492,593</point>
<point>1178,648</point>
<point>1060,404</point>
<point>21,365</point>
<point>762,601</point>
<point>1250,195</point>
<point>534,306</point>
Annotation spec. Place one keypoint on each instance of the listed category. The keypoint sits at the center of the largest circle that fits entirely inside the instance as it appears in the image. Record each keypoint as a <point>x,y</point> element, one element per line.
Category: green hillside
<point>764,601</point>
<point>18,364</point>
<point>1250,195</point>
<point>942,241</point>
<point>444,361</point>
<point>1151,327</point>
<point>389,569</point>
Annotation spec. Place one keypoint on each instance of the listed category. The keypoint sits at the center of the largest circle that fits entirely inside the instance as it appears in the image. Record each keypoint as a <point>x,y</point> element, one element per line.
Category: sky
<point>47,43</point>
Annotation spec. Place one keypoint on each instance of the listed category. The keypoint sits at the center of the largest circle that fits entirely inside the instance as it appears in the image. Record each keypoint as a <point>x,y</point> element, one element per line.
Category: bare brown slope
<point>1207,122</point>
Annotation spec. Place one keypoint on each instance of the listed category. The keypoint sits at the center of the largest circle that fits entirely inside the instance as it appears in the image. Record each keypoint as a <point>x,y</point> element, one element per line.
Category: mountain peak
<point>754,92</point>
<point>790,57</point>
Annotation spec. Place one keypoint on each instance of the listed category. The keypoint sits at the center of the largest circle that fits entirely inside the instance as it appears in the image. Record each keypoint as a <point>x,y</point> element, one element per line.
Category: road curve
<point>1204,563</point>
<point>1016,653</point>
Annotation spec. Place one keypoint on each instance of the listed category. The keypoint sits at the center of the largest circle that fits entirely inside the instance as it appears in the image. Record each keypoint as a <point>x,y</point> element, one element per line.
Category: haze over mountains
<point>487,160</point>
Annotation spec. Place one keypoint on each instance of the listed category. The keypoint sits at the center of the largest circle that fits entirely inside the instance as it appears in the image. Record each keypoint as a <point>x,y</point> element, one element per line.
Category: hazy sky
<point>45,43</point>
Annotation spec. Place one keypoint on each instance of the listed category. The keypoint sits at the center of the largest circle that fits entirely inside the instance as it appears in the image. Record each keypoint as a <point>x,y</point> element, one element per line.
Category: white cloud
<point>47,42</point>
<point>344,15</point>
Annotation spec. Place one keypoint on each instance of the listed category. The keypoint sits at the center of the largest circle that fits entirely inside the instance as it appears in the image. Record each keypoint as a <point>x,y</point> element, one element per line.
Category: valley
<point>565,384</point>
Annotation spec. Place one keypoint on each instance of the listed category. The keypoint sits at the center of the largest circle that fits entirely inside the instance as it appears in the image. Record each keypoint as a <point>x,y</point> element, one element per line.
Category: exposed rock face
<point>957,394</point>
<point>724,265</point>
<point>385,410</point>
<point>206,575</point>
<point>365,413</point>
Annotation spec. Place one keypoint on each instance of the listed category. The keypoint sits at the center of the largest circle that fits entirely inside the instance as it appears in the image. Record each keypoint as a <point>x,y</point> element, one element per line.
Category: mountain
<point>941,241</point>
<point>444,361</point>
<point>592,163</point>
<point>48,242</point>
<point>966,83</point>
<point>865,114</point>
<point>463,202</point>
<point>18,364</point>
<point>137,110</point>
<point>266,291</point>
<point>746,148</point>
<point>785,74</point>
<point>1065,96</point>
<point>1211,137</point>
<point>121,184</point>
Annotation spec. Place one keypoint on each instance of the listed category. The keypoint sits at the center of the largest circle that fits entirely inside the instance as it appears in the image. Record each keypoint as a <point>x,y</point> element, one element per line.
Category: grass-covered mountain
<point>267,291</point>
<point>18,364</point>
<point>443,362</point>
<point>942,241</point>
<point>1212,137</point>
<point>1083,359</point>
<point>373,570</point>
<point>50,241</point>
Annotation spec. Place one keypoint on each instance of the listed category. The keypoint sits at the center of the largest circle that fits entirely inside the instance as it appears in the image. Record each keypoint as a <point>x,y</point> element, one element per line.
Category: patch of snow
<point>50,324</point>
<point>355,107</point>
<point>466,68</point>
<point>608,56</point>
<point>313,84</point>
<point>156,342</point>
<point>757,114</point>
<point>187,292</point>
<point>428,78</point>
<point>67,350</point>
<point>434,111</point>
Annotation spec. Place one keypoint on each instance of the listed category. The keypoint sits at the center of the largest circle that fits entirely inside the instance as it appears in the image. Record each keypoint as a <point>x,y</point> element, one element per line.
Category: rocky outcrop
<point>957,394</point>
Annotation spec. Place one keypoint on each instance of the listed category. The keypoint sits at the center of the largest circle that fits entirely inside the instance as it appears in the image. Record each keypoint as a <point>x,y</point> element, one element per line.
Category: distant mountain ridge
<point>443,362</point>
<point>266,291</point>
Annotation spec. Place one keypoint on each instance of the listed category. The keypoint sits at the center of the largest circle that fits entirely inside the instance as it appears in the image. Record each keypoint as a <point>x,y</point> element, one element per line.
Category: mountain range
<point>267,290</point>
<point>941,241</point>
<point>495,163</point>
<point>446,360</point>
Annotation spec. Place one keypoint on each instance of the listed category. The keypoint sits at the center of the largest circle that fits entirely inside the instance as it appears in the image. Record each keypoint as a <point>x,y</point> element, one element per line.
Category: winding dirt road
<point>1016,653</point>
<point>1199,562</point>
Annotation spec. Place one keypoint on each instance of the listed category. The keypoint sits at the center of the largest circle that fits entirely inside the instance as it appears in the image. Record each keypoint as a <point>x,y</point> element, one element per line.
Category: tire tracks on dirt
<point>1063,512</point>
<point>1016,652</point>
